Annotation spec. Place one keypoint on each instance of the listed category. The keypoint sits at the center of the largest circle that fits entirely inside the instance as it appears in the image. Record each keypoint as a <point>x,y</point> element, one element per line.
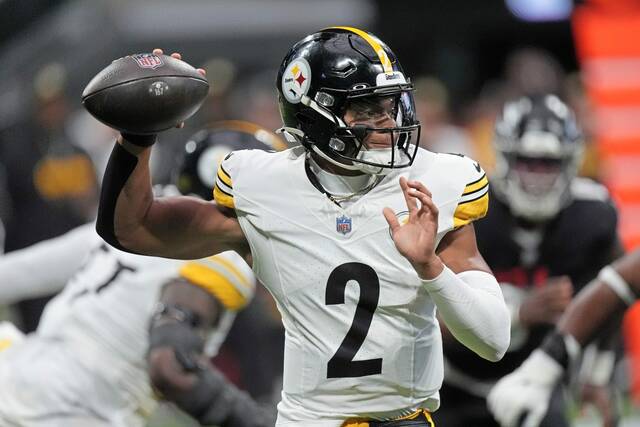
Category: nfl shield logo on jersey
<point>343,224</point>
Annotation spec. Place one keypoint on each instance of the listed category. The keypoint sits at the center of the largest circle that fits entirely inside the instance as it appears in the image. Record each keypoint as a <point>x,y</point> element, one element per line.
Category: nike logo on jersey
<point>477,166</point>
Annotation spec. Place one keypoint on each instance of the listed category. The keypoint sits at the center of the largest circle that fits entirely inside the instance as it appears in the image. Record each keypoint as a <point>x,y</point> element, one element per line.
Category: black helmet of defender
<point>195,173</point>
<point>538,152</point>
<point>340,68</point>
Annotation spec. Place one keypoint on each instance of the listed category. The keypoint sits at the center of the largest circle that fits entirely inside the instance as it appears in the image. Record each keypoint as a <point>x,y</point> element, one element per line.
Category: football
<point>145,93</point>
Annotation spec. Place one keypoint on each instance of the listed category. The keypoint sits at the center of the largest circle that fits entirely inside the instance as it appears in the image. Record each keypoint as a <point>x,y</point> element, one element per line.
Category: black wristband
<point>140,140</point>
<point>555,346</point>
<point>119,168</point>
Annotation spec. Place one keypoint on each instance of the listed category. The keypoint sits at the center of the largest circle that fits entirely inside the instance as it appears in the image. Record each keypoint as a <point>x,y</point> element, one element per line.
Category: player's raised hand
<point>416,238</point>
<point>177,55</point>
<point>158,51</point>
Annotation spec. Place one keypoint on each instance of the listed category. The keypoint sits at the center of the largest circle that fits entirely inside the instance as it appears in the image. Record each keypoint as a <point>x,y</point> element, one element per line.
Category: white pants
<point>47,382</point>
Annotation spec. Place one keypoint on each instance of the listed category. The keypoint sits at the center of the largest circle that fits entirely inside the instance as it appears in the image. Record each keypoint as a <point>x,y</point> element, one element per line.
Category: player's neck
<point>339,184</point>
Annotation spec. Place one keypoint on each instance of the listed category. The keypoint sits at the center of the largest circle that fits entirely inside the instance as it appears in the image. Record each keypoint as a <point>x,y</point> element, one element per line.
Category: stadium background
<point>465,59</point>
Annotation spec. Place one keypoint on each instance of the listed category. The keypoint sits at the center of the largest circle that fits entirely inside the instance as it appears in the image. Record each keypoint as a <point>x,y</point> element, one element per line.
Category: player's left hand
<point>416,238</point>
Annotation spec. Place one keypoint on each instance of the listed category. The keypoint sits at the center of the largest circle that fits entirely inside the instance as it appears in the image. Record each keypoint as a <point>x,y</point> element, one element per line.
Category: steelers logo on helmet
<point>296,80</point>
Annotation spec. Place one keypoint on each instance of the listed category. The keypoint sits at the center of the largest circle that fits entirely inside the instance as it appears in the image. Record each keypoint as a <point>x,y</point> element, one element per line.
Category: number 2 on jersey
<point>342,365</point>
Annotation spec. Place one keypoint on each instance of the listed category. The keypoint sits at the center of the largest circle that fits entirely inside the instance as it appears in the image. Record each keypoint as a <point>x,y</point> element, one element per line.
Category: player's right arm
<point>526,391</point>
<point>131,219</point>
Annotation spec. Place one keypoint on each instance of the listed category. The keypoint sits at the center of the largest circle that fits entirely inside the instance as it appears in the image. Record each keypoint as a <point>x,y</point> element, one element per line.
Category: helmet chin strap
<point>333,161</point>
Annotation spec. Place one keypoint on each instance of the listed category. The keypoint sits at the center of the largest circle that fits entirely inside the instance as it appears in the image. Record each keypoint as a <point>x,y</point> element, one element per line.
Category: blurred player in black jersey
<point>547,234</point>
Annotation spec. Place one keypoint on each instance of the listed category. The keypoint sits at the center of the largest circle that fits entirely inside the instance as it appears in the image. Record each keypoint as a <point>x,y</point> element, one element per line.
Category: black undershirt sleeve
<point>119,168</point>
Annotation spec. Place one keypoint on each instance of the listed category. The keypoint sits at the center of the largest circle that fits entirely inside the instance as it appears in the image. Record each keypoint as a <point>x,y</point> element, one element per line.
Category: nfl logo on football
<point>147,60</point>
<point>343,224</point>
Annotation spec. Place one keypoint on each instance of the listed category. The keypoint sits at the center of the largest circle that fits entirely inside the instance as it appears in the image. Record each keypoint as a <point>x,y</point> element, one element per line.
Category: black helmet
<point>196,170</point>
<point>340,68</point>
<point>538,152</point>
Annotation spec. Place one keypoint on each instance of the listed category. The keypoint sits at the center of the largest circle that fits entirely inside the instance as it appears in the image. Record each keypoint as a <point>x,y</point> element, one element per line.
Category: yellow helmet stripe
<point>377,48</point>
<point>214,283</point>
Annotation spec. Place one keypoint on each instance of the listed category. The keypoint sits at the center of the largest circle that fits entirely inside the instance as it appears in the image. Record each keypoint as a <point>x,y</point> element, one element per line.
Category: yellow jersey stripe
<point>222,198</point>
<point>214,283</point>
<point>224,176</point>
<point>224,179</point>
<point>232,269</point>
<point>377,48</point>
<point>471,210</point>
<point>476,185</point>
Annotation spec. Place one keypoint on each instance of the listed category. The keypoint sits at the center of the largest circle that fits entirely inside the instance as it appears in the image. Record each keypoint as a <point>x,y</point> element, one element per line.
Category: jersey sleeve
<point>223,189</point>
<point>473,202</point>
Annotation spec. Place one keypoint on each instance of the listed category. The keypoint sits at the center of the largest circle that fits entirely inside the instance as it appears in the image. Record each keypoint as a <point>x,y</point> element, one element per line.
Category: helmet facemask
<point>534,175</point>
<point>369,132</point>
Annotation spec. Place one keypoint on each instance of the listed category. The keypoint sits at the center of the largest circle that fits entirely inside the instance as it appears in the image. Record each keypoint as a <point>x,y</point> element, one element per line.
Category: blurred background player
<point>51,184</point>
<point>522,397</point>
<point>91,343</point>
<point>547,234</point>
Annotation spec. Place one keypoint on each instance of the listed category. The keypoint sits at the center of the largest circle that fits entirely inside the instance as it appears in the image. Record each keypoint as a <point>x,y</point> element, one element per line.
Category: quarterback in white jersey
<point>359,325</point>
<point>358,243</point>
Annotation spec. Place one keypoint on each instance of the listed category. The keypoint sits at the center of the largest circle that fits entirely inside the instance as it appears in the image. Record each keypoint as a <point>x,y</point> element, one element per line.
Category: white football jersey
<point>362,339</point>
<point>96,330</point>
